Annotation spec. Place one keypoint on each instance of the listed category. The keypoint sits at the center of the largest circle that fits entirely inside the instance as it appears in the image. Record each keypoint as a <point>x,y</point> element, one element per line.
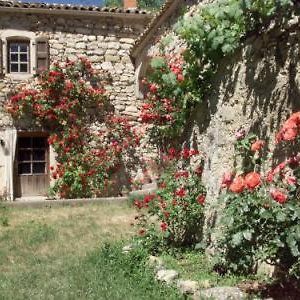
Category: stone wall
<point>255,89</point>
<point>106,41</point>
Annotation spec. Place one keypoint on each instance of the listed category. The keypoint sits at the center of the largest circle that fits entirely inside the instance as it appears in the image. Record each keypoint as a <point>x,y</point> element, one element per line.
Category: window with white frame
<point>18,57</point>
<point>23,53</point>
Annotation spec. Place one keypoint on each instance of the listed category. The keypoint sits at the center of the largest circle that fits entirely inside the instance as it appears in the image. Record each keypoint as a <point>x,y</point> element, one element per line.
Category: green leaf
<point>158,62</point>
<point>280,216</point>
<point>169,79</point>
<point>237,239</point>
<point>247,235</point>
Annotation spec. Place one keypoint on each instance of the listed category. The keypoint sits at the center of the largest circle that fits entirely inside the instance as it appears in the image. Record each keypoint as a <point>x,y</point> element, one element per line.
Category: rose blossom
<point>163,226</point>
<point>238,185</point>
<point>180,192</point>
<point>252,180</point>
<point>227,179</point>
<point>257,145</point>
<point>201,199</point>
<point>291,180</point>
<point>278,196</point>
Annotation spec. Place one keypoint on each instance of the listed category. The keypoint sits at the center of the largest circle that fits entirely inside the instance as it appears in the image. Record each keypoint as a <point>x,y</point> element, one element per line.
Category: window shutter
<point>1,58</point>
<point>42,55</point>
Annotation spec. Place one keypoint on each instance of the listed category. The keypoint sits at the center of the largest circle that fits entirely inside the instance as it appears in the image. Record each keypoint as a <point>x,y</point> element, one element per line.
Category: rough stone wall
<point>106,42</point>
<point>255,89</point>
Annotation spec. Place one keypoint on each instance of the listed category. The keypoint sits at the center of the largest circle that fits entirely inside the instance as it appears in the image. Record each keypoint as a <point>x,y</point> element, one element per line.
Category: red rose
<point>199,171</point>
<point>291,180</point>
<point>180,192</point>
<point>289,134</point>
<point>201,199</point>
<point>270,176</point>
<point>257,145</point>
<point>289,130</point>
<point>166,214</point>
<point>279,196</point>
<point>252,180</point>
<point>153,88</point>
<point>185,153</point>
<point>180,77</point>
<point>238,185</point>
<point>172,153</point>
<point>227,179</point>
<point>163,226</point>
<point>295,117</point>
<point>182,174</point>
<point>148,198</point>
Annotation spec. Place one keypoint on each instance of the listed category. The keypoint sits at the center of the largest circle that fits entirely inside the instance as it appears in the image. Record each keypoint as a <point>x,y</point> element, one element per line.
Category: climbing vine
<point>209,34</point>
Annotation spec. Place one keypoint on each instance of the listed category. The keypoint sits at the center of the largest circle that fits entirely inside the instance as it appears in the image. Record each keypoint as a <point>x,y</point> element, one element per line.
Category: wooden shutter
<point>42,55</point>
<point>1,58</point>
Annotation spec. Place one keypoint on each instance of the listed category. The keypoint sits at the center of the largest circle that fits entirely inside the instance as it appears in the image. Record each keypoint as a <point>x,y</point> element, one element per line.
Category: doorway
<point>32,165</point>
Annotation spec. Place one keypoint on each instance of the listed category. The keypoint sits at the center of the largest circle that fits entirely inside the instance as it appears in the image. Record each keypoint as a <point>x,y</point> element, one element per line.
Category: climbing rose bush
<point>90,141</point>
<point>167,103</point>
<point>173,216</point>
<point>262,210</point>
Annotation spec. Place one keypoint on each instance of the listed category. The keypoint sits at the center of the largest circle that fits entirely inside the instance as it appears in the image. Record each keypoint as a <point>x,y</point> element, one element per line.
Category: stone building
<point>32,36</point>
<point>255,88</point>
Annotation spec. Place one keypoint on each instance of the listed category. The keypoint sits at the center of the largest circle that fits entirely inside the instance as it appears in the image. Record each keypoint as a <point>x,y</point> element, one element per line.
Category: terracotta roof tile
<point>69,7</point>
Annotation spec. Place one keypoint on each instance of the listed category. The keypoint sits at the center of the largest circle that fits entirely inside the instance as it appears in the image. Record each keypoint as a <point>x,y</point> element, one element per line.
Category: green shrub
<point>262,209</point>
<point>173,216</point>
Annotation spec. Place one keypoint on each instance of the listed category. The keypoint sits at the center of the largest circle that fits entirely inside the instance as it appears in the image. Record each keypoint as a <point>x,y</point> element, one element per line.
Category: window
<point>18,57</point>
<point>32,155</point>
<point>23,53</point>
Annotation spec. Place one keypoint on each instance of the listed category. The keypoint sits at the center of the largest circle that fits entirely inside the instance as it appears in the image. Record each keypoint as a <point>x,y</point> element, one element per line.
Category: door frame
<point>30,134</point>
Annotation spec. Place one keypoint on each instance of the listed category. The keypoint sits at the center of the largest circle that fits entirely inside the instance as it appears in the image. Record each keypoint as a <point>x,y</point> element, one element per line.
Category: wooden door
<point>32,165</point>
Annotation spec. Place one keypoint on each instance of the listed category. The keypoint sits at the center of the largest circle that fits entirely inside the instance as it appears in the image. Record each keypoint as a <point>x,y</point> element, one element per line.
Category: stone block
<point>127,41</point>
<point>221,293</point>
<point>112,58</point>
<point>57,46</point>
<point>113,45</point>
<point>167,276</point>
<point>187,286</point>
<point>107,66</point>
<point>126,46</point>
<point>80,45</point>
<point>111,52</point>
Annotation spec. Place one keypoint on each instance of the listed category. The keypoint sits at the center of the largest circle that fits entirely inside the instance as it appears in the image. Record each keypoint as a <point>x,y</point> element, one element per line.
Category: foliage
<point>194,265</point>
<point>167,98</point>
<point>173,216</point>
<point>262,212</point>
<point>4,215</point>
<point>209,34</point>
<point>88,138</point>
<point>145,4</point>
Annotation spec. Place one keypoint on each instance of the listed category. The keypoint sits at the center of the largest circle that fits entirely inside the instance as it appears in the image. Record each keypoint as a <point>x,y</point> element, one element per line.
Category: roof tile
<point>49,6</point>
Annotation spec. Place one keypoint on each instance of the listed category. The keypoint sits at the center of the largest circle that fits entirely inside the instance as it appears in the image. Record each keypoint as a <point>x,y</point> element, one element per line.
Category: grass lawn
<point>73,253</point>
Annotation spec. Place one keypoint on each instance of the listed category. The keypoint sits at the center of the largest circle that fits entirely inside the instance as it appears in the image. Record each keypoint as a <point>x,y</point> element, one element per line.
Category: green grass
<point>196,266</point>
<point>73,253</point>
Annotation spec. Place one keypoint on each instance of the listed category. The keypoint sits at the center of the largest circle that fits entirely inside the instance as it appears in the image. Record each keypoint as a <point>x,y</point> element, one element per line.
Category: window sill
<point>19,76</point>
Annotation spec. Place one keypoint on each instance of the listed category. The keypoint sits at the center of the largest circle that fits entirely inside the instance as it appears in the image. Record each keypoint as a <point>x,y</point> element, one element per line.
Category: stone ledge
<point>40,203</point>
